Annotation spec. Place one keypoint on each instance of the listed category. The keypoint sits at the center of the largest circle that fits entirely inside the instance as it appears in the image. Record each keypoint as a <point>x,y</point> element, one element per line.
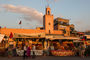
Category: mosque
<point>53,29</point>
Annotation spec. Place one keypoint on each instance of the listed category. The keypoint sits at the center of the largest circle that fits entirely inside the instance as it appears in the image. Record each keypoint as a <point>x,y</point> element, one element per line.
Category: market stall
<point>62,47</point>
<point>38,50</point>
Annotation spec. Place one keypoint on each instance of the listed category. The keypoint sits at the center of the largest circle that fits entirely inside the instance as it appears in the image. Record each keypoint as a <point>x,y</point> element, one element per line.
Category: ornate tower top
<point>48,10</point>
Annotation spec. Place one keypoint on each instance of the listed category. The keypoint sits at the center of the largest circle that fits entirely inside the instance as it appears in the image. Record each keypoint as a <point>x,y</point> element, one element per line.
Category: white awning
<point>1,37</point>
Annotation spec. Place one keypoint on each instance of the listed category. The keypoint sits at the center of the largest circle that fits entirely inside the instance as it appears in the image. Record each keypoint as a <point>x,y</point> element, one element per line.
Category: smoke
<point>29,13</point>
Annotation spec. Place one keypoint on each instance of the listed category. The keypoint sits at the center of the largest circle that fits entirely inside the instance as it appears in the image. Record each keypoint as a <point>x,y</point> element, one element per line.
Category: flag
<point>20,22</point>
<point>11,35</point>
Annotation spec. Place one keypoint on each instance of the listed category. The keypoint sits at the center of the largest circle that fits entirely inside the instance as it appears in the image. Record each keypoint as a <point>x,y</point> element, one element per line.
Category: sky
<point>31,12</point>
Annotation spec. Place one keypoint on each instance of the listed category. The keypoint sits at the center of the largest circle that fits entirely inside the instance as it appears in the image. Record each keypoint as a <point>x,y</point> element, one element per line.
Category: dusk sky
<point>31,12</point>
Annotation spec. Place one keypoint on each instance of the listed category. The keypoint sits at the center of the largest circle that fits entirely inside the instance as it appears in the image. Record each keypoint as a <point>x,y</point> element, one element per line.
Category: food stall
<point>62,50</point>
<point>29,40</point>
<point>65,48</point>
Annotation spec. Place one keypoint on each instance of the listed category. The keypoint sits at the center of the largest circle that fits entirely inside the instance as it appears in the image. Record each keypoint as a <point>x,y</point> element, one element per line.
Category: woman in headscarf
<point>29,51</point>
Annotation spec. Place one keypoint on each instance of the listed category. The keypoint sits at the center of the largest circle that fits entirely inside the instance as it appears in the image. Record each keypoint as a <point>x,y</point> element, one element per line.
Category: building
<point>63,25</point>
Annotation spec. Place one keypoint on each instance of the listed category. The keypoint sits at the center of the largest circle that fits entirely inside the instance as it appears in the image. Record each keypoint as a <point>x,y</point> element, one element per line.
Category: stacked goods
<point>62,53</point>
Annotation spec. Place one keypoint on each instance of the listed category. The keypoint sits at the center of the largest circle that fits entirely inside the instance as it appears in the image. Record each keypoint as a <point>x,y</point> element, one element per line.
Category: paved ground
<point>46,58</point>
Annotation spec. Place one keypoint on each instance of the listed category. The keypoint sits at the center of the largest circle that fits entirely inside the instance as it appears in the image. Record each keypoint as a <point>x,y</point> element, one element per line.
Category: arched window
<point>49,12</point>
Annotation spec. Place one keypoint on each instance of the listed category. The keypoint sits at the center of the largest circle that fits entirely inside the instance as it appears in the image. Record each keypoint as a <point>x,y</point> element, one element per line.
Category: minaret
<point>48,21</point>
<point>48,11</point>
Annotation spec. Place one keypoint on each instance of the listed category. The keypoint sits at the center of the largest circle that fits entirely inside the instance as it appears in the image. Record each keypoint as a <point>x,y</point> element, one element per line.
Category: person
<point>82,48</point>
<point>14,51</point>
<point>9,52</point>
<point>49,51</point>
<point>28,51</point>
<point>24,55</point>
<point>33,51</point>
<point>75,50</point>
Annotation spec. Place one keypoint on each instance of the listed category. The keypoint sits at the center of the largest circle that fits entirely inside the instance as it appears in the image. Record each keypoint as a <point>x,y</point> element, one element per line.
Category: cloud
<point>29,13</point>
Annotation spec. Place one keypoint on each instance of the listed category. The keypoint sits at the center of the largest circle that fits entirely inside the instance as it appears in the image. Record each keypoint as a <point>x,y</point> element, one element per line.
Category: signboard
<point>29,35</point>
